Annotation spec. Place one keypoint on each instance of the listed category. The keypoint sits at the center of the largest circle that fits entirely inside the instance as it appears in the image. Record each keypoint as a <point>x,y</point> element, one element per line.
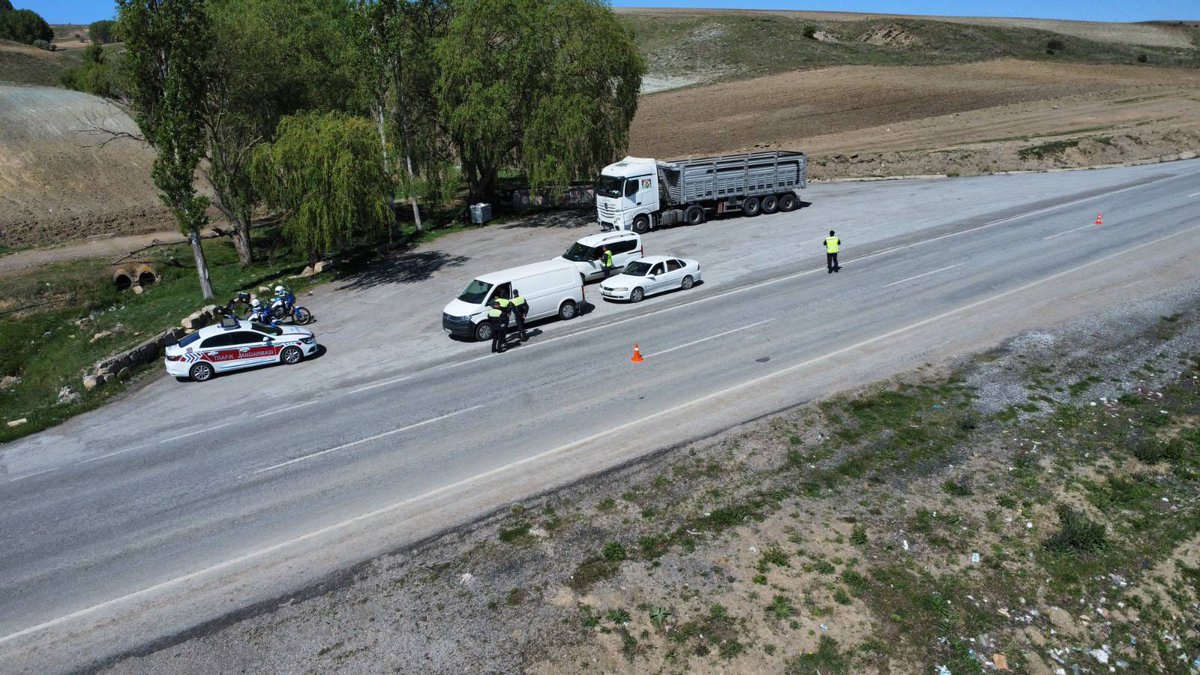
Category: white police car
<point>234,344</point>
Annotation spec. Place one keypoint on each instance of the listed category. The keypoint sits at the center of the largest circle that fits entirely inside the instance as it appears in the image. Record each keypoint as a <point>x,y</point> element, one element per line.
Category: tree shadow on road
<point>402,267</point>
<point>562,219</point>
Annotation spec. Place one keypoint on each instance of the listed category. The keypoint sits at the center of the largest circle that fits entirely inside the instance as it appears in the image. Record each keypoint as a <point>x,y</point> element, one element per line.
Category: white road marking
<point>895,283</point>
<point>365,440</point>
<point>1059,234</point>
<point>31,475</point>
<point>291,407</point>
<point>380,384</point>
<point>193,433</point>
<point>1194,194</point>
<point>606,433</point>
<point>711,337</point>
<point>114,454</point>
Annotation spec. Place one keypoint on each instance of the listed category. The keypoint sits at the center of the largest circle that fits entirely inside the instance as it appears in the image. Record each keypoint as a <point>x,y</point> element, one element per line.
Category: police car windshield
<point>578,253</point>
<point>476,292</point>
<point>609,186</point>
<point>637,268</point>
<point>269,330</point>
<point>189,339</point>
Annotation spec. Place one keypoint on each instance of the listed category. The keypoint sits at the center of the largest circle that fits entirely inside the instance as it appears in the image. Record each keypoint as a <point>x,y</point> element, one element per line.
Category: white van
<point>550,288</point>
<point>586,253</point>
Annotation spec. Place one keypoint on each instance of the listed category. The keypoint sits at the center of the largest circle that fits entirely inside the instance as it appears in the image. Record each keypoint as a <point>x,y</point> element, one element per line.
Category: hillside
<point>698,46</point>
<point>864,94</point>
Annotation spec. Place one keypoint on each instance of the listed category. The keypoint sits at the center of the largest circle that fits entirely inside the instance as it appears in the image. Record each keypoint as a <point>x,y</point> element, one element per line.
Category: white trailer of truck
<point>639,194</point>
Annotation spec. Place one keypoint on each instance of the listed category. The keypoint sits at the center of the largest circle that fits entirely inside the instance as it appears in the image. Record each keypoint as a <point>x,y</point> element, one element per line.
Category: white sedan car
<point>650,275</point>
<point>234,344</point>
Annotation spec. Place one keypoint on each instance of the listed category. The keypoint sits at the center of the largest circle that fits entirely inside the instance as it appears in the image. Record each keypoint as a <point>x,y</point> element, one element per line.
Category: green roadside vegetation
<point>1042,506</point>
<point>740,45</point>
<point>49,316</point>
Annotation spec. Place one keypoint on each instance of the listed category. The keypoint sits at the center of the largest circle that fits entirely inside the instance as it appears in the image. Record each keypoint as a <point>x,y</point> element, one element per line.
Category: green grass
<point>1051,149</point>
<point>41,343</point>
<point>43,69</point>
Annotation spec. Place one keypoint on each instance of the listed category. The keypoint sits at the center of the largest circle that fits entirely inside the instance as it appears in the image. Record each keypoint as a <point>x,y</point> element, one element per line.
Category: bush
<point>41,44</point>
<point>810,32</point>
<point>23,25</point>
<point>1142,58</point>
<point>5,6</point>
<point>1054,45</point>
<point>1077,534</point>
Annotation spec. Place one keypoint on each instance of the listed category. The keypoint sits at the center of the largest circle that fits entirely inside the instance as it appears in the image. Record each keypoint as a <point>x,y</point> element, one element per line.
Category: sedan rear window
<point>636,268</point>
<point>189,339</point>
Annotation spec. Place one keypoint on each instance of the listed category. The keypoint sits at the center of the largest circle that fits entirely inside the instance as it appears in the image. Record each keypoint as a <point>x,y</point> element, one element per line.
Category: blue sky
<point>86,11</point>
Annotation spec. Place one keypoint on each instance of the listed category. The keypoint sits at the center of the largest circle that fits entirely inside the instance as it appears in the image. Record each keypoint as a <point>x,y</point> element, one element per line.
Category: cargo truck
<point>639,194</point>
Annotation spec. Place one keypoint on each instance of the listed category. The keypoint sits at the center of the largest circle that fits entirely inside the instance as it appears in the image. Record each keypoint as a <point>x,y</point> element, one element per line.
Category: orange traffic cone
<point>1098,220</point>
<point>637,355</point>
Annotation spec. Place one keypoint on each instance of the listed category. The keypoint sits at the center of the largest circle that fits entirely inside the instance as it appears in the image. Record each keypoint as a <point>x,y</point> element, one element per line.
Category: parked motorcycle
<point>284,307</point>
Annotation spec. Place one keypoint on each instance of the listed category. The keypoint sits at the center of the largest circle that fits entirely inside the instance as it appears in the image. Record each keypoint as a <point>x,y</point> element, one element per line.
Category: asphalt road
<point>182,503</point>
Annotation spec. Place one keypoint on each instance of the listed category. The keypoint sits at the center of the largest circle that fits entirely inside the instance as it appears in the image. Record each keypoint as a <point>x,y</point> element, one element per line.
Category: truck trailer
<point>639,194</point>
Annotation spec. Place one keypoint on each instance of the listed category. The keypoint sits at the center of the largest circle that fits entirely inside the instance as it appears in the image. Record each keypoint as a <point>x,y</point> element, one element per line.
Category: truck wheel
<point>483,332</point>
<point>694,215</point>
<point>641,224</point>
<point>751,207</point>
<point>568,311</point>
<point>787,202</point>
<point>769,204</point>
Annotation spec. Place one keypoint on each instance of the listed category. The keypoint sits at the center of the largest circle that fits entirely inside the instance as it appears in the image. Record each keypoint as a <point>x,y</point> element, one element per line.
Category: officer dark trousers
<point>499,332</point>
<point>831,262</point>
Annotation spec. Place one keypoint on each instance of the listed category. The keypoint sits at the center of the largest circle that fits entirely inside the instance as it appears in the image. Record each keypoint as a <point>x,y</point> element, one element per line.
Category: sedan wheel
<point>201,372</point>
<point>687,283</point>
<point>637,295</point>
<point>291,355</point>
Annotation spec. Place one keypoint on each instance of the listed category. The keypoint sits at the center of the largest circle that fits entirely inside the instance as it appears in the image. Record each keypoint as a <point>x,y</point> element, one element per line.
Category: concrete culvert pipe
<point>144,275</point>
<point>122,278</point>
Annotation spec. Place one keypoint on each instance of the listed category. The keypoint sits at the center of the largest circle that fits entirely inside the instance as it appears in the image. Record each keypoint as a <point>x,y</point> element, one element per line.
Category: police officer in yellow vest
<point>606,261</point>
<point>831,251</point>
<point>498,317</point>
<point>519,309</point>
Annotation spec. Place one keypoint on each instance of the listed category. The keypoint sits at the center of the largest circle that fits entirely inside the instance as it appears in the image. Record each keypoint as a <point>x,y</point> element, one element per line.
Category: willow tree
<point>167,42</point>
<point>324,172</point>
<point>549,86</point>
<point>270,58</point>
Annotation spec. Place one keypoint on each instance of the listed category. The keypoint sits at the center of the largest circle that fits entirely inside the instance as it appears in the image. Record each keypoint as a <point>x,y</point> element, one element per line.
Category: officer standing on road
<point>831,250</point>
<point>498,317</point>
<point>606,261</point>
<point>519,308</point>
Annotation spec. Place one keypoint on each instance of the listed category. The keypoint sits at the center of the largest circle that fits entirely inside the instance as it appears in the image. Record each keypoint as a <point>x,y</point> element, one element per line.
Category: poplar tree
<point>167,43</point>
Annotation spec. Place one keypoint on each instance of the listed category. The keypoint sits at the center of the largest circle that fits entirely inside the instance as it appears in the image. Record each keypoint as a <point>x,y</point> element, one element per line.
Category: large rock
<point>9,382</point>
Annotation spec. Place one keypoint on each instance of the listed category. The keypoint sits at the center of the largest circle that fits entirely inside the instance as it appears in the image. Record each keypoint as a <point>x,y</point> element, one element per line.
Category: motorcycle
<point>262,314</point>
<point>285,307</point>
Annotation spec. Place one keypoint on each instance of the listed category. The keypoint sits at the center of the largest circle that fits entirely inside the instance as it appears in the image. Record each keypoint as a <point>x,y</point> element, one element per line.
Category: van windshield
<point>636,268</point>
<point>476,292</point>
<point>579,253</point>
<point>609,186</point>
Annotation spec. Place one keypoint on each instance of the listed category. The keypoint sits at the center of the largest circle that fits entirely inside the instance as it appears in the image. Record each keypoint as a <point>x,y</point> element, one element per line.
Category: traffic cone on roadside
<point>637,355</point>
<point>1099,221</point>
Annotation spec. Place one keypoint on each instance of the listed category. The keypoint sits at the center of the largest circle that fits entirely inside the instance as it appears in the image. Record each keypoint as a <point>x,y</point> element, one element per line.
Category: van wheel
<point>687,282</point>
<point>568,310</point>
<point>483,332</point>
<point>787,202</point>
<point>694,215</point>
<point>641,224</point>
<point>201,372</point>
<point>751,207</point>
<point>637,295</point>
<point>769,204</point>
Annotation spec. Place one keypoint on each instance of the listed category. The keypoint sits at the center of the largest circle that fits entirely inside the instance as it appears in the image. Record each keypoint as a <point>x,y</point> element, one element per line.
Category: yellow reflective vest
<point>831,244</point>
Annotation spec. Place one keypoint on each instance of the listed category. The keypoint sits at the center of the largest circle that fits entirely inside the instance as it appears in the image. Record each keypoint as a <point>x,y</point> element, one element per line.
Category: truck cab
<point>627,195</point>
